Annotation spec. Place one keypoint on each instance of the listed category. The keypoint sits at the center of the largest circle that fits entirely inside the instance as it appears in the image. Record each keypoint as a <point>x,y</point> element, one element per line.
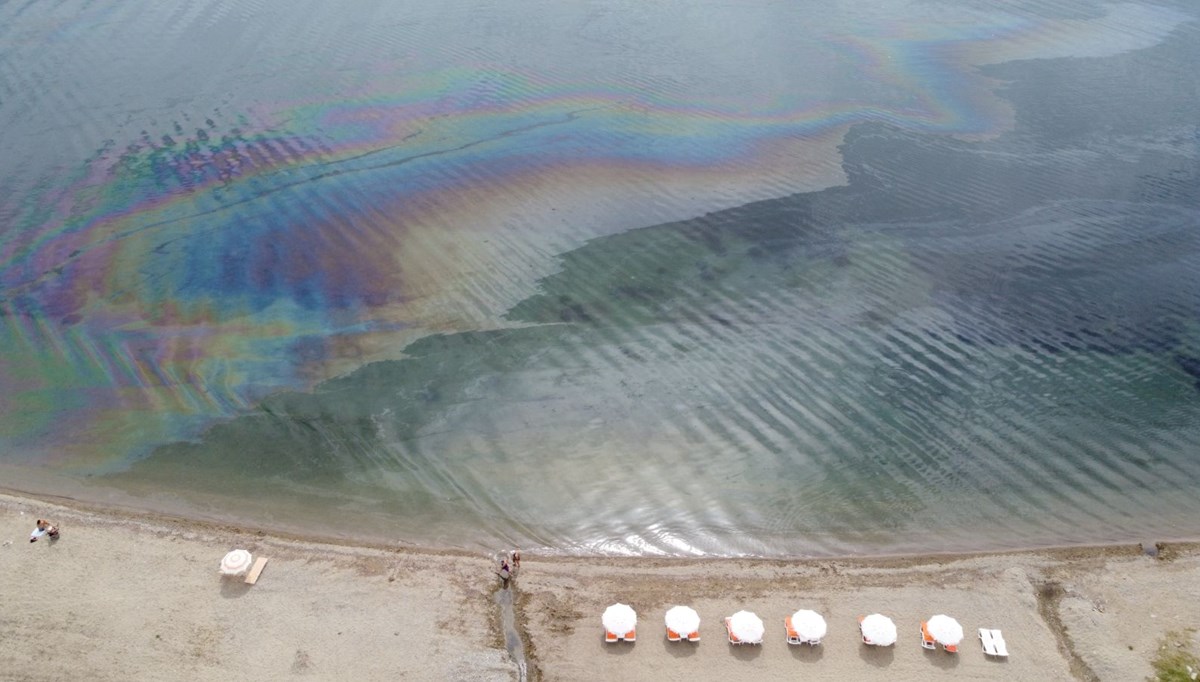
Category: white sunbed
<point>256,570</point>
<point>993,642</point>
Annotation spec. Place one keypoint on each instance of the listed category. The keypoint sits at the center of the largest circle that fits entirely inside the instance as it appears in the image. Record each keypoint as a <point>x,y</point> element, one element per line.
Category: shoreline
<point>135,515</point>
<point>133,591</point>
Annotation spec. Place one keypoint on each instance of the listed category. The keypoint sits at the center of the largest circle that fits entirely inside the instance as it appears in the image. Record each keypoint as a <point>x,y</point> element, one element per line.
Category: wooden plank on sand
<point>259,563</point>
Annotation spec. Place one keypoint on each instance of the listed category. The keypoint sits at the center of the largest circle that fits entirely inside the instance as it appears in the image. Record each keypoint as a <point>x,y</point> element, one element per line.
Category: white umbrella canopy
<point>619,618</point>
<point>878,629</point>
<point>236,562</point>
<point>809,625</point>
<point>945,630</point>
<point>747,627</point>
<point>683,619</point>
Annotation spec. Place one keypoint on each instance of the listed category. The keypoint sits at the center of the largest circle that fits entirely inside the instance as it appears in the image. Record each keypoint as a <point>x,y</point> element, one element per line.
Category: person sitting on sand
<point>504,573</point>
<point>44,527</point>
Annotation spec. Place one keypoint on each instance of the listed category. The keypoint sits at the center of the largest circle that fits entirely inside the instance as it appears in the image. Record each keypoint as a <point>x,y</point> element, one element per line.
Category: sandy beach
<point>123,596</point>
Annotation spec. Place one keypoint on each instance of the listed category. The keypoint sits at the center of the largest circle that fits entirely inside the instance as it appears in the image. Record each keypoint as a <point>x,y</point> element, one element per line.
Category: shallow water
<point>780,279</point>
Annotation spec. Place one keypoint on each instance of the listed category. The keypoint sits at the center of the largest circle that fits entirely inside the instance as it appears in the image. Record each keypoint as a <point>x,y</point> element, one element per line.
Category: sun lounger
<point>927,641</point>
<point>620,622</point>
<point>259,564</point>
<point>732,638</point>
<point>793,637</point>
<point>682,623</point>
<point>611,637</point>
<point>804,627</point>
<point>993,643</point>
<point>877,630</point>
<point>673,636</point>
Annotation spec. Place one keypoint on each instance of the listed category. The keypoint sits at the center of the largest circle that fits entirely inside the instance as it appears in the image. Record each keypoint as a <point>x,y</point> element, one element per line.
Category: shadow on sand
<point>232,588</point>
<point>941,659</point>
<point>746,652</point>
<point>682,649</point>
<point>619,648</point>
<point>878,656</point>
<point>804,652</point>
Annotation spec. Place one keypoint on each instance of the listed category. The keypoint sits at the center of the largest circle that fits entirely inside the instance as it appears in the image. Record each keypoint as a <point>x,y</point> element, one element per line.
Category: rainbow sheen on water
<point>695,279</point>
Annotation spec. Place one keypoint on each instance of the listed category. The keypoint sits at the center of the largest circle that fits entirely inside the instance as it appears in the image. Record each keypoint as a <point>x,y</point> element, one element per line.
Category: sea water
<point>761,278</point>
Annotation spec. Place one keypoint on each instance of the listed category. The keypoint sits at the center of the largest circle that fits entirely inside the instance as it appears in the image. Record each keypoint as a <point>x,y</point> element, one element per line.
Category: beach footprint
<point>302,663</point>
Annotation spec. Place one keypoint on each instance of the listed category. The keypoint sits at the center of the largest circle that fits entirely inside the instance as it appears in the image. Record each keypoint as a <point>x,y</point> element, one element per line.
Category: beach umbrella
<point>878,630</point>
<point>747,627</point>
<point>619,618</point>
<point>236,562</point>
<point>809,625</point>
<point>683,619</point>
<point>945,630</point>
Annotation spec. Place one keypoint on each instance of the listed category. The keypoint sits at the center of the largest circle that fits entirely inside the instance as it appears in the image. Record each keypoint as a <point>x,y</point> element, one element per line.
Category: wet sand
<point>123,595</point>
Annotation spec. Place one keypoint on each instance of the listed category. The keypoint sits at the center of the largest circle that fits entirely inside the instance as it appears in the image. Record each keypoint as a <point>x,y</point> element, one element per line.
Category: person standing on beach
<point>44,527</point>
<point>504,573</point>
<point>516,560</point>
